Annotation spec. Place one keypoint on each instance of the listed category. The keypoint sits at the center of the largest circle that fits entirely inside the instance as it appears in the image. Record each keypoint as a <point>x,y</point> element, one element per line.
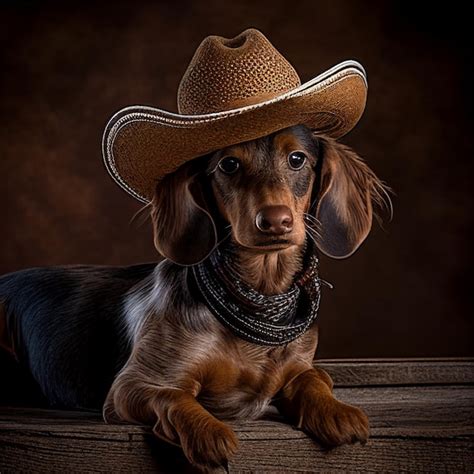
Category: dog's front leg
<point>307,401</point>
<point>206,441</point>
<point>177,417</point>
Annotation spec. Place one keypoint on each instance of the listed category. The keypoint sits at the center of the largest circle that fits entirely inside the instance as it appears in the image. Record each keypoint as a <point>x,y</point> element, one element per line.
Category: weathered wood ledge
<point>421,413</point>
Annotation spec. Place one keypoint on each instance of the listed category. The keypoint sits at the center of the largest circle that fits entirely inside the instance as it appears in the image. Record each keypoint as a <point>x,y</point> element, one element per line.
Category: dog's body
<point>67,326</point>
<point>145,331</point>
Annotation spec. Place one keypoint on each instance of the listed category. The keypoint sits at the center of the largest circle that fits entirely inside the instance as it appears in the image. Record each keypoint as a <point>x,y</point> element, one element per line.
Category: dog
<point>140,343</point>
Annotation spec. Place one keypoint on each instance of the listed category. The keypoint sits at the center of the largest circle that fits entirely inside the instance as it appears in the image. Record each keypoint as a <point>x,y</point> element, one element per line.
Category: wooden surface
<point>421,414</point>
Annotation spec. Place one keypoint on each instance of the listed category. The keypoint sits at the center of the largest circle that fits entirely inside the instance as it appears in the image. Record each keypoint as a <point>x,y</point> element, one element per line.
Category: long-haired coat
<point>140,342</point>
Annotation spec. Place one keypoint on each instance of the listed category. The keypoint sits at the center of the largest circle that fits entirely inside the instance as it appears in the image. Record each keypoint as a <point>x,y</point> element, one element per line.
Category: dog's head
<point>269,194</point>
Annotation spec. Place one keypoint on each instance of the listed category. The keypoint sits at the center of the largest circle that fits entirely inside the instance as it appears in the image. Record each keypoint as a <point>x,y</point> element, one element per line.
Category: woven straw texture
<point>233,90</point>
<point>226,74</point>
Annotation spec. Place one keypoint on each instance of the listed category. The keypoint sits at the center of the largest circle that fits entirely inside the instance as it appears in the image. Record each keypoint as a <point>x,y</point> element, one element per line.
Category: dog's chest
<point>242,384</point>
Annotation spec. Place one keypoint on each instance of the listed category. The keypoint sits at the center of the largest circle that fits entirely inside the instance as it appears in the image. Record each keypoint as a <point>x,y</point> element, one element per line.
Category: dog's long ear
<point>343,199</point>
<point>184,230</point>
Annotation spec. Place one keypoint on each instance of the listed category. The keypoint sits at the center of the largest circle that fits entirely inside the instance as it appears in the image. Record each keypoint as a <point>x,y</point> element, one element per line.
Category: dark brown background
<point>66,68</point>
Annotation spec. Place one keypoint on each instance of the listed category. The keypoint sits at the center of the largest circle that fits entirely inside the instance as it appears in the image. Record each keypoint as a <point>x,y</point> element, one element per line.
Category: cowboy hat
<point>233,90</point>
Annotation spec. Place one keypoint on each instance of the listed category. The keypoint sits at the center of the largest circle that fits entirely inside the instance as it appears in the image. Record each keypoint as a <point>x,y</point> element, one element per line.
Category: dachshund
<point>140,343</point>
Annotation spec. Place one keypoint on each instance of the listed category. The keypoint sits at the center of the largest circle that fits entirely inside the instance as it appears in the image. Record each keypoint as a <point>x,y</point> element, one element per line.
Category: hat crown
<point>227,73</point>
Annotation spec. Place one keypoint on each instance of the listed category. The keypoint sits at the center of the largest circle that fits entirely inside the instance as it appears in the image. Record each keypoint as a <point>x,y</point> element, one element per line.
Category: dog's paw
<point>210,446</point>
<point>334,423</point>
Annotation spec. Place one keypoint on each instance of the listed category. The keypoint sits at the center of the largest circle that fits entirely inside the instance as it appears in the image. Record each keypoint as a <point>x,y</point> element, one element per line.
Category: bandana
<point>268,320</point>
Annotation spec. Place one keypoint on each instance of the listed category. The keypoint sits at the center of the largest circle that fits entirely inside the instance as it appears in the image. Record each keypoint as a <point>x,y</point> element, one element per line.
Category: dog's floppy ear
<point>343,198</point>
<point>184,230</point>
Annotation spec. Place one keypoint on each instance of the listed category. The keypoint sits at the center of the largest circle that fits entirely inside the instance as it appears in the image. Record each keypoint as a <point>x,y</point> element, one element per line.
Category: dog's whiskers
<point>311,218</point>
<point>312,237</point>
<point>313,233</point>
<point>226,236</point>
<point>312,225</point>
<point>139,214</point>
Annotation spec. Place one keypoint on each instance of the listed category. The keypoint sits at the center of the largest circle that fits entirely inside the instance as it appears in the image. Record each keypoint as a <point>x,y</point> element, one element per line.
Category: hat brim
<point>142,144</point>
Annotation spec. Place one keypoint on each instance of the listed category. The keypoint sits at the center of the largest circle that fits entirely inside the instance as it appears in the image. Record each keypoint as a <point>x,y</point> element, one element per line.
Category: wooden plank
<point>32,453</point>
<point>378,455</point>
<point>43,451</point>
<point>429,411</point>
<point>355,373</point>
<point>426,428</point>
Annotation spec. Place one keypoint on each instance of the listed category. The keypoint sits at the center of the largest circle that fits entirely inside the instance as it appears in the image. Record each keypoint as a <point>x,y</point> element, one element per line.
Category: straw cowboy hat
<point>233,90</point>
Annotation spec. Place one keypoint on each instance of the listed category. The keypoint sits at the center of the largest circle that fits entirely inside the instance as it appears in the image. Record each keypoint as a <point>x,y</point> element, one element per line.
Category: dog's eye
<point>229,164</point>
<point>296,160</point>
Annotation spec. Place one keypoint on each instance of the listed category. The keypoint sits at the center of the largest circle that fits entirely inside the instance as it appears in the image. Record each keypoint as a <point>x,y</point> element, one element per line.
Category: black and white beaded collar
<point>266,320</point>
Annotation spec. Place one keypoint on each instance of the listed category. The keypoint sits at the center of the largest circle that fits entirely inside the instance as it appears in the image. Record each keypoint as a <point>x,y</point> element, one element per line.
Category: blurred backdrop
<point>66,67</point>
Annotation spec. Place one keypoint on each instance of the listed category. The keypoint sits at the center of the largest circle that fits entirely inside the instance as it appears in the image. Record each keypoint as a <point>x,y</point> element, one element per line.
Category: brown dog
<point>225,325</point>
<point>187,372</point>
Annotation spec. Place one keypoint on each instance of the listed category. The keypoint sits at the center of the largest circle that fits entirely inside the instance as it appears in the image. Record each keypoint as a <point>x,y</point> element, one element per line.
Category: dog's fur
<point>139,340</point>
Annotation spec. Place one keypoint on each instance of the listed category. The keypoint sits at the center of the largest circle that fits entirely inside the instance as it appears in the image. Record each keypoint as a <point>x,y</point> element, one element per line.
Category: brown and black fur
<point>174,366</point>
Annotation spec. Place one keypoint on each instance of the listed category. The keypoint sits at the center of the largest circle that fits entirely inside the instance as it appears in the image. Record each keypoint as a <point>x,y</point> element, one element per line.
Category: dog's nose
<point>276,220</point>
